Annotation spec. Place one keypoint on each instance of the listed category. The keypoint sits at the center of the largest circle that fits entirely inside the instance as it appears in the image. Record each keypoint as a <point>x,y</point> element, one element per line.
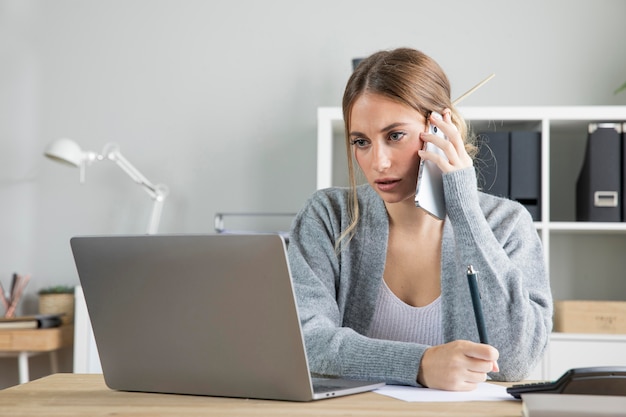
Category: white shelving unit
<point>586,260</point>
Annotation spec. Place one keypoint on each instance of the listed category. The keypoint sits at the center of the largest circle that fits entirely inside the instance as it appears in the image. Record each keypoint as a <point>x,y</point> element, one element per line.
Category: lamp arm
<point>157,192</point>
<point>155,216</point>
<point>112,152</point>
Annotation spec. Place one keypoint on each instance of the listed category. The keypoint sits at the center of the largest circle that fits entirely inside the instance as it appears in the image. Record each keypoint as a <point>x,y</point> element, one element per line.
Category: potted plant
<point>57,299</point>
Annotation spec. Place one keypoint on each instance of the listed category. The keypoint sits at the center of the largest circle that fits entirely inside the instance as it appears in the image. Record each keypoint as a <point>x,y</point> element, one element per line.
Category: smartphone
<point>429,191</point>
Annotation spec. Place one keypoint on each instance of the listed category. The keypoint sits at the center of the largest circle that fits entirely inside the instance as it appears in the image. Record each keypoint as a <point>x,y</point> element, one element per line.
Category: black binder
<point>492,163</point>
<point>599,184</point>
<point>525,170</point>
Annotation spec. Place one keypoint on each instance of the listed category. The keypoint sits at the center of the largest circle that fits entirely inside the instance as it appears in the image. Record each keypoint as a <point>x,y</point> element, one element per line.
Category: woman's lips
<point>387,184</point>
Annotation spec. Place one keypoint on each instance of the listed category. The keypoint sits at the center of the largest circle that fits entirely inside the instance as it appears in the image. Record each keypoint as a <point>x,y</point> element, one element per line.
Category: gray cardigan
<point>336,292</point>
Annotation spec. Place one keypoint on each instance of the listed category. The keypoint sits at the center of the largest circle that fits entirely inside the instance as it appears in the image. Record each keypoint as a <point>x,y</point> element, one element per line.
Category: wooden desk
<point>23,343</point>
<point>72,395</point>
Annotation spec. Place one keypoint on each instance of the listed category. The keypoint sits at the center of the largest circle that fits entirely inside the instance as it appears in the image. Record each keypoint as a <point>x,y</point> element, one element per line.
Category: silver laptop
<point>199,314</point>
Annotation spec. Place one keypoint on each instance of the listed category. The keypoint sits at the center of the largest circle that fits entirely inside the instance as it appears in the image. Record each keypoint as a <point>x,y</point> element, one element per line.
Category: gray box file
<point>599,184</point>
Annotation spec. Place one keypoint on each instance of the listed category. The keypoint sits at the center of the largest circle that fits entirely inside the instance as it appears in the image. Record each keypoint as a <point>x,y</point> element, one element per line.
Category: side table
<point>24,343</point>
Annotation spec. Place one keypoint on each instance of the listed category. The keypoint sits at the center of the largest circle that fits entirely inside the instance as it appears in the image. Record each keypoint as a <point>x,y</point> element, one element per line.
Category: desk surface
<point>71,395</point>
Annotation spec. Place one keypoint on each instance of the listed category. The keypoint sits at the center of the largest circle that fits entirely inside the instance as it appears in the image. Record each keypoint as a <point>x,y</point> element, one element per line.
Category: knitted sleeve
<point>497,236</point>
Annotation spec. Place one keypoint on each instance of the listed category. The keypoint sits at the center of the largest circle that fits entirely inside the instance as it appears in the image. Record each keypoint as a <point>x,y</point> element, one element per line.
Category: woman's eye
<point>359,143</point>
<point>396,136</point>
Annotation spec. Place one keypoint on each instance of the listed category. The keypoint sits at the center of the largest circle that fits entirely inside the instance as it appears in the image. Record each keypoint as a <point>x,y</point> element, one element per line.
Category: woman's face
<point>385,138</point>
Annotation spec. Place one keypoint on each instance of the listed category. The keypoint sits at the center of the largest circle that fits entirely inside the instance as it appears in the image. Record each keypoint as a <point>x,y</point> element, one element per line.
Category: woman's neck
<point>408,217</point>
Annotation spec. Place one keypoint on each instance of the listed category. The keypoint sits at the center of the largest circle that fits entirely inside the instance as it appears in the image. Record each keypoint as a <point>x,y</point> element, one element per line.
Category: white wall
<point>217,99</point>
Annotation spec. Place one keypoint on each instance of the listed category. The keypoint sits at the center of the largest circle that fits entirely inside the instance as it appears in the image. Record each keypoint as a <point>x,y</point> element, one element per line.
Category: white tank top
<point>395,320</point>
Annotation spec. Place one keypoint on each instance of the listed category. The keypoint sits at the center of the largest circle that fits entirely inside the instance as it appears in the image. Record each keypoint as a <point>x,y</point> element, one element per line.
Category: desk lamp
<point>68,152</point>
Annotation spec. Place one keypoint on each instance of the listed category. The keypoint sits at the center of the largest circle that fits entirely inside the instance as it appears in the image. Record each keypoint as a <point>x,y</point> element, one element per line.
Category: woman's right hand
<point>457,366</point>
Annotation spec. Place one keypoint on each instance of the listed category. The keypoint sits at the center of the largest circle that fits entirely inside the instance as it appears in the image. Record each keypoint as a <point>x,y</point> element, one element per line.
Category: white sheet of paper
<point>484,392</point>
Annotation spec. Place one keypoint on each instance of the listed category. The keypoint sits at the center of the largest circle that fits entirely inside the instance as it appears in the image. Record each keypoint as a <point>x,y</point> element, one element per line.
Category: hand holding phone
<point>429,192</point>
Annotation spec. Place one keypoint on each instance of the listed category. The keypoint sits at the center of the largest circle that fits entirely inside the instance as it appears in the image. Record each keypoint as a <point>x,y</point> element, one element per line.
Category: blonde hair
<point>408,77</point>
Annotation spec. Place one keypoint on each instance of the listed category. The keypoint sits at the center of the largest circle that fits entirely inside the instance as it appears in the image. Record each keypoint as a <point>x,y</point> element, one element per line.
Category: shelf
<point>565,113</point>
<point>587,227</point>
<point>594,337</point>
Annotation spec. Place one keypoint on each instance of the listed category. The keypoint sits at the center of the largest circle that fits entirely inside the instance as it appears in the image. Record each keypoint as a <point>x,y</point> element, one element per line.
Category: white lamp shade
<point>66,151</point>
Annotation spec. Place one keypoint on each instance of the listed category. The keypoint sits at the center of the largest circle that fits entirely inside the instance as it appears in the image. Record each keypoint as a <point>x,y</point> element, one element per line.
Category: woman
<point>381,284</point>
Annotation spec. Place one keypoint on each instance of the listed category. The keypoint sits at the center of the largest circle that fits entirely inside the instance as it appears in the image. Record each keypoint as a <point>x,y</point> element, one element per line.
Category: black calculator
<point>600,380</point>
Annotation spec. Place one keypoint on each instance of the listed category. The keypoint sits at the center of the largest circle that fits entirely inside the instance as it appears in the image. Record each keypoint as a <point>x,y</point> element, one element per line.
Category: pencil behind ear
<point>471,90</point>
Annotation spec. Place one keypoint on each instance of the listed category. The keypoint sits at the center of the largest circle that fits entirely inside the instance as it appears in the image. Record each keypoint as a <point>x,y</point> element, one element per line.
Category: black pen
<point>472,280</point>
<point>13,287</point>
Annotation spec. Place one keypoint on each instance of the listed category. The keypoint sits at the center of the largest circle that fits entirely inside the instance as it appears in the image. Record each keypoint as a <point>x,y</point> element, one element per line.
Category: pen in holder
<point>11,299</point>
